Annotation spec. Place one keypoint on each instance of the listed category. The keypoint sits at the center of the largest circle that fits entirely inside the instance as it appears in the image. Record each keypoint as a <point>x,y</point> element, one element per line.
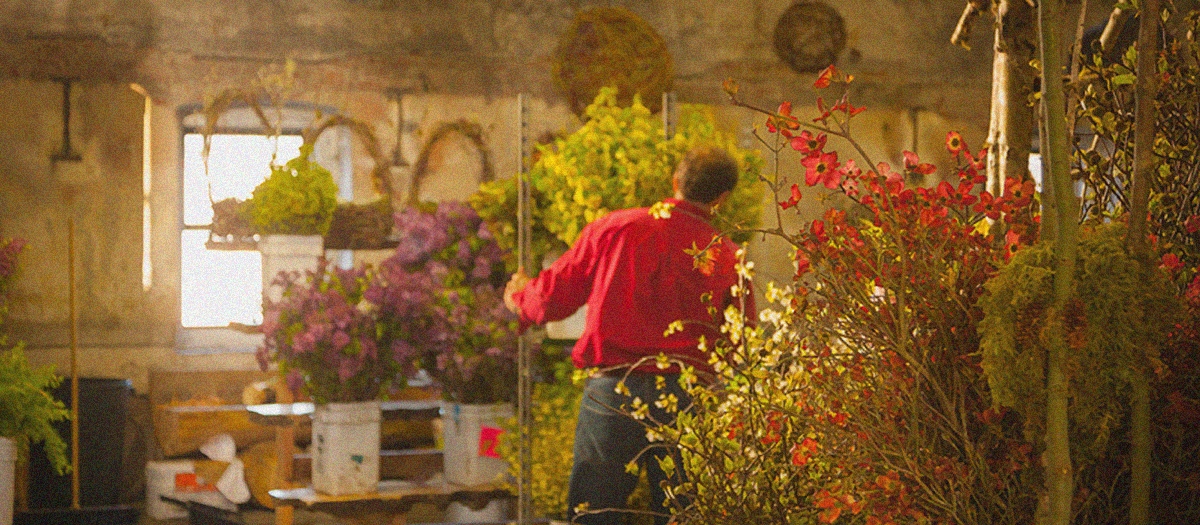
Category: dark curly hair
<point>706,173</point>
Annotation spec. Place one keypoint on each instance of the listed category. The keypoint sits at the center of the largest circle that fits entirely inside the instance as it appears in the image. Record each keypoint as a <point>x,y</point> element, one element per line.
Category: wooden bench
<point>390,503</point>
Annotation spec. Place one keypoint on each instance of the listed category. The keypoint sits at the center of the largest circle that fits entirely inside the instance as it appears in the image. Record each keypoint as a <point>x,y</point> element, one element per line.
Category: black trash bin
<point>103,409</point>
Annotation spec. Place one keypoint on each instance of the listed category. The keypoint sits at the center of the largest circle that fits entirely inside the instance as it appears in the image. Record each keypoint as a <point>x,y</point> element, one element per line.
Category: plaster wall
<point>378,61</point>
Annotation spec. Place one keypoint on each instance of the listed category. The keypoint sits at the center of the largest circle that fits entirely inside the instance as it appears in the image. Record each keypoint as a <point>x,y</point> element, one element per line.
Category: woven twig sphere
<point>809,36</point>
<point>611,46</point>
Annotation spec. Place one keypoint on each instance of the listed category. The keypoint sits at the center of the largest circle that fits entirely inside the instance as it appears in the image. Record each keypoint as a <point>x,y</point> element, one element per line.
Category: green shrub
<point>619,159</point>
<point>1122,315</point>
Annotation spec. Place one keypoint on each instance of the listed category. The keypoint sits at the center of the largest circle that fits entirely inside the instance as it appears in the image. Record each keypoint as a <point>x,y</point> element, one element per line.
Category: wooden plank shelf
<point>393,499</point>
<point>282,414</point>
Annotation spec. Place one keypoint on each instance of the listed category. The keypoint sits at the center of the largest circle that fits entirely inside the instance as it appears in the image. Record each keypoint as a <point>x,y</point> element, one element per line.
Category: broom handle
<point>74,364</point>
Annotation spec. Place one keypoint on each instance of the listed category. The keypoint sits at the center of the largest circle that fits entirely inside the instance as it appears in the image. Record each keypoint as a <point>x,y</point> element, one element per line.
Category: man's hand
<point>517,283</point>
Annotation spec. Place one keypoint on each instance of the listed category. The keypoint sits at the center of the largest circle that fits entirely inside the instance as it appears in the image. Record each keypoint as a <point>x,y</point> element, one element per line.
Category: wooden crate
<point>190,407</point>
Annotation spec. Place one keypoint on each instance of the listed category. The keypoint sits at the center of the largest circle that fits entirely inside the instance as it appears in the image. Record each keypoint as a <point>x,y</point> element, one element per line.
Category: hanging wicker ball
<point>611,46</point>
<point>809,36</point>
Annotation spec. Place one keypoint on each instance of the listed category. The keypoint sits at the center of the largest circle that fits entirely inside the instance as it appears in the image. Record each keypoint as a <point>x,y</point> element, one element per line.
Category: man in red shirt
<point>633,270</point>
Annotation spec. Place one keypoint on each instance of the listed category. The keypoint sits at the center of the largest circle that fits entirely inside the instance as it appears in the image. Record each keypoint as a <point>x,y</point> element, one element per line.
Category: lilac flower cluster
<point>450,233</point>
<point>324,336</point>
<point>436,303</point>
<point>440,298</point>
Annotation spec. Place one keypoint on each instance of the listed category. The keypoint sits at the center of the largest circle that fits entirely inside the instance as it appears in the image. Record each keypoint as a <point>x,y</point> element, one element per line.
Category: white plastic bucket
<point>160,480</point>
<point>8,465</point>
<point>287,253</point>
<point>469,436</point>
<point>496,511</point>
<point>345,448</point>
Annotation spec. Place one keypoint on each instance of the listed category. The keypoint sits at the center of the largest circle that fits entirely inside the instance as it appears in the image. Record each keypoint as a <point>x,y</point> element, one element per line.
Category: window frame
<point>240,119</point>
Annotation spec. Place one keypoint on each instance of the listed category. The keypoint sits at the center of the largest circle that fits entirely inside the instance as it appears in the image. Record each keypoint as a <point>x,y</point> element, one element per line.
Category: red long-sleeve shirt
<point>631,269</point>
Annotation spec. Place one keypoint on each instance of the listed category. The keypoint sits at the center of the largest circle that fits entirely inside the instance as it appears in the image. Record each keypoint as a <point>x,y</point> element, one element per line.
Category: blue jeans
<point>606,438</point>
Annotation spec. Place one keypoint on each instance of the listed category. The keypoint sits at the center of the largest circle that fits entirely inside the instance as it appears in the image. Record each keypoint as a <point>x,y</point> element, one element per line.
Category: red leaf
<point>1171,263</point>
<point>826,502</point>
<point>831,515</point>
<point>803,265</point>
<point>914,164</point>
<point>1192,224</point>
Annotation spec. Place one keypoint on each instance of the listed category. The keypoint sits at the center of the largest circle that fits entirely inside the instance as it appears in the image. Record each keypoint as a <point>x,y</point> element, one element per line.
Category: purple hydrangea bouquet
<point>439,300</point>
<point>325,337</point>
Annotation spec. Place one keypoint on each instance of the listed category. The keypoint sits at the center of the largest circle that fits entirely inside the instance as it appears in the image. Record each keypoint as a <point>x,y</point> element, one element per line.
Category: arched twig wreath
<point>473,132</point>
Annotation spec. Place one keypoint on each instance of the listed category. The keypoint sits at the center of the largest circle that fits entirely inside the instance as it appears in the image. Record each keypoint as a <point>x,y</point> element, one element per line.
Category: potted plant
<point>439,298</point>
<point>323,336</point>
<point>27,414</point>
<point>298,198</point>
<point>292,209</point>
<point>27,410</point>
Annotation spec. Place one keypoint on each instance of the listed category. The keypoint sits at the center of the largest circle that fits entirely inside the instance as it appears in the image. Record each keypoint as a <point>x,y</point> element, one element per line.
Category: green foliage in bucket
<point>297,199</point>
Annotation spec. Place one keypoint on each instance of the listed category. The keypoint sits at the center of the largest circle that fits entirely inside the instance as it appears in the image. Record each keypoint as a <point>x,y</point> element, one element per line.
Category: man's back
<point>634,271</point>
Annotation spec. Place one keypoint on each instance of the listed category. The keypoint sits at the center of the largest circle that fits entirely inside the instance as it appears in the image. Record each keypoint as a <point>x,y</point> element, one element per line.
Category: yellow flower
<point>661,210</point>
<point>668,402</point>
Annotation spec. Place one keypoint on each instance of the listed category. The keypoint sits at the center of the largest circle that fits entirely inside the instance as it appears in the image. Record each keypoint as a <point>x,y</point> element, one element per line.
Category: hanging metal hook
<point>67,153</point>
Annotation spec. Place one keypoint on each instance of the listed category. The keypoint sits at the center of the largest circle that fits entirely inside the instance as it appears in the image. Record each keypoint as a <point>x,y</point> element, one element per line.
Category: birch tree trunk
<point>1011,126</point>
<point>1144,166</point>
<point>1060,483</point>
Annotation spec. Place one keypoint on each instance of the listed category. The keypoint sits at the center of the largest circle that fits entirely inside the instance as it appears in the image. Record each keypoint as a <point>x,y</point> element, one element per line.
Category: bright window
<point>219,287</point>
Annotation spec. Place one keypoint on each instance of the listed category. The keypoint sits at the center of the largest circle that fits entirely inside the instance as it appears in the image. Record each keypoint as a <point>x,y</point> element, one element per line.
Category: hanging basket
<point>231,228</point>
<point>361,227</point>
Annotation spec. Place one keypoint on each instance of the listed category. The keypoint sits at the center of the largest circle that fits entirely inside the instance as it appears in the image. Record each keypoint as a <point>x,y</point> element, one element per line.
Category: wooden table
<point>286,416</point>
<point>391,502</point>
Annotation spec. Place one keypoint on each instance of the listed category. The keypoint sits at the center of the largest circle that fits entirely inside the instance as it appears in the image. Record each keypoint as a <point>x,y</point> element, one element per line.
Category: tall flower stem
<point>1060,483</point>
<point>1144,163</point>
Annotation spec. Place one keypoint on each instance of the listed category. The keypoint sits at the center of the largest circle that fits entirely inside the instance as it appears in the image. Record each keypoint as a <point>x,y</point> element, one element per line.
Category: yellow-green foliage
<point>555,411</point>
<point>1119,318</point>
<point>618,159</point>
<point>297,199</point>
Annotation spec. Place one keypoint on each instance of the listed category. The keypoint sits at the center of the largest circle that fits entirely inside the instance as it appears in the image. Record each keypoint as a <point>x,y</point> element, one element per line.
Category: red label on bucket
<point>489,438</point>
